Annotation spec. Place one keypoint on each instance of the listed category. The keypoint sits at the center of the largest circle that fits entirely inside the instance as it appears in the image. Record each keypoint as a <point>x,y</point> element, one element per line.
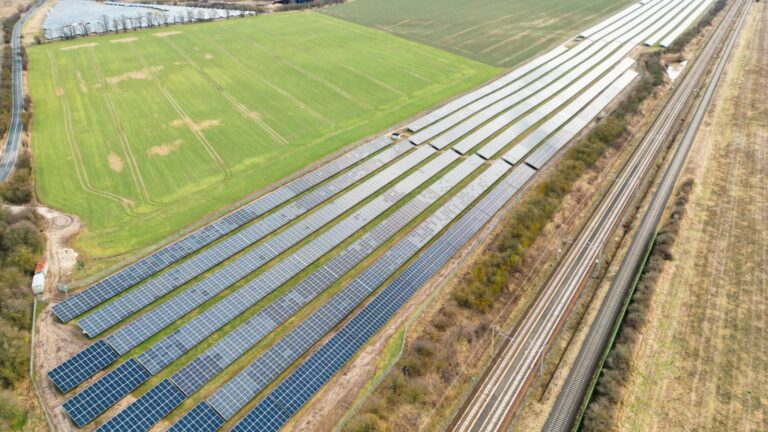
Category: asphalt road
<point>13,140</point>
<point>507,380</point>
<point>568,406</point>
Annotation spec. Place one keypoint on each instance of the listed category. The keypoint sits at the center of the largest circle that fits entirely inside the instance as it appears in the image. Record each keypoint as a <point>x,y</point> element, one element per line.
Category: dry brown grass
<point>702,364</point>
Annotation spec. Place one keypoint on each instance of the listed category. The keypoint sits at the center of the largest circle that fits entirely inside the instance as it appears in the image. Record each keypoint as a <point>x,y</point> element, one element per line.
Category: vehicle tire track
<point>133,165</point>
<point>247,113</point>
<point>125,204</point>
<point>184,117</point>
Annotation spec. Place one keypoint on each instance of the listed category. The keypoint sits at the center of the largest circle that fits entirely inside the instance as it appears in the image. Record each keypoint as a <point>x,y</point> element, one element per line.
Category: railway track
<point>505,384</point>
<point>568,406</point>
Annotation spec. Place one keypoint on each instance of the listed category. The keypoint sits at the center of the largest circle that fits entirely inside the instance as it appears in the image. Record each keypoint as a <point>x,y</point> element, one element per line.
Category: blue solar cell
<point>84,364</point>
<point>88,404</point>
<point>201,418</point>
<point>143,413</point>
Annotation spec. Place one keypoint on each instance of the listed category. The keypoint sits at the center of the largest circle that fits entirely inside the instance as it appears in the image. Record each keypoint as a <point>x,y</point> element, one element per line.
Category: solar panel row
<point>610,20</point>
<point>639,22</point>
<point>688,10</point>
<point>554,123</point>
<point>295,390</point>
<point>685,25</point>
<point>557,141</point>
<point>535,95</point>
<point>542,111</point>
<point>621,22</point>
<point>548,81</point>
<point>477,106</point>
<point>163,315</point>
<point>151,290</point>
<point>84,406</point>
<point>118,282</point>
<point>482,91</point>
<point>138,330</point>
<point>191,377</point>
<point>670,12</point>
<point>248,383</point>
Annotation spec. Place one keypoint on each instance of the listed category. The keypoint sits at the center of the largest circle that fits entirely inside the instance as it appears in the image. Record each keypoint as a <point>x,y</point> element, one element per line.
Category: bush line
<point>600,414</point>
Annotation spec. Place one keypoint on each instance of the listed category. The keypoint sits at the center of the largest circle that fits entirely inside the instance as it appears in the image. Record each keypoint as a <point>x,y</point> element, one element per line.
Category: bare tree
<point>105,22</point>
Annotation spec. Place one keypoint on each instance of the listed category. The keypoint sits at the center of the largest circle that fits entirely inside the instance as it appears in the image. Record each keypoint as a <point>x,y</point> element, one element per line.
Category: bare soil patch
<point>165,149</point>
<point>166,34</point>
<point>115,163</point>
<point>74,47</point>
<point>142,74</point>
<point>124,40</point>
<point>197,127</point>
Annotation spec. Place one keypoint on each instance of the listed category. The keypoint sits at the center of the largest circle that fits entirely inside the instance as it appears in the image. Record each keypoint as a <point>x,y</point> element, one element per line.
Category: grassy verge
<point>600,414</point>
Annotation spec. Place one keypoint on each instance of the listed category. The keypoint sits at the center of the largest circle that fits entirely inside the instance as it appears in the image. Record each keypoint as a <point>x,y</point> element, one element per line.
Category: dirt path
<point>702,361</point>
<point>55,342</point>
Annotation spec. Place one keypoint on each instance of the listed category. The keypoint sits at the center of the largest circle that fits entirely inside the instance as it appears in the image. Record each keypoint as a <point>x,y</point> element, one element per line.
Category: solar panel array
<point>141,416</point>
<point>683,26</point>
<point>191,377</point>
<point>163,315</point>
<point>688,9</point>
<point>248,383</point>
<point>556,121</point>
<point>544,80</point>
<point>151,264</point>
<point>153,289</point>
<point>542,111</point>
<point>482,91</point>
<point>295,390</point>
<point>557,141</point>
<point>534,95</point>
<point>462,114</point>
<point>148,324</point>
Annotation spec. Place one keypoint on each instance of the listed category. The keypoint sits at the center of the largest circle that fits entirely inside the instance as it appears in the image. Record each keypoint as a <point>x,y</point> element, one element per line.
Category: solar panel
<point>542,111</point>
<point>622,22</point>
<point>153,289</point>
<point>542,155</point>
<point>535,95</point>
<point>83,365</point>
<point>485,90</point>
<point>561,117</point>
<point>301,384</point>
<point>116,283</point>
<point>685,25</point>
<point>626,31</point>
<point>480,104</point>
<point>653,24</point>
<point>158,318</point>
<point>609,20</point>
<point>248,383</point>
<point>148,410</point>
<point>202,418</point>
<point>675,21</point>
<point>84,407</point>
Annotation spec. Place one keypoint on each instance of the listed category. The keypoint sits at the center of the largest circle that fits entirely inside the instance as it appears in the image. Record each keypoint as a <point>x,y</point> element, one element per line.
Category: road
<point>568,406</point>
<point>505,384</point>
<point>13,140</point>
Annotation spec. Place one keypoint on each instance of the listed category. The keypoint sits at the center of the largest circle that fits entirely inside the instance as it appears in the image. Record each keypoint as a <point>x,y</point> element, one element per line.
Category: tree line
<point>21,243</point>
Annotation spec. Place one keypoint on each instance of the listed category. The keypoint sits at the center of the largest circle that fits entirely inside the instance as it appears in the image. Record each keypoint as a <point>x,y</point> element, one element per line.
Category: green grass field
<point>144,133</point>
<point>499,32</point>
